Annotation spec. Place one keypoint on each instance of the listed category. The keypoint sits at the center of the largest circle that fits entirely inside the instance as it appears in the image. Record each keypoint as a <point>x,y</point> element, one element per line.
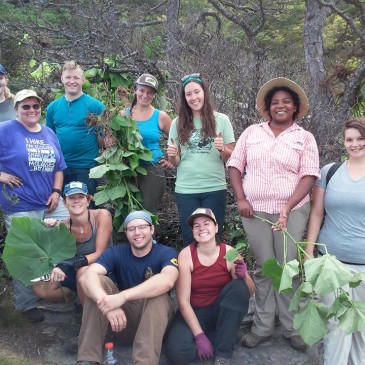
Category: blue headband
<point>190,78</point>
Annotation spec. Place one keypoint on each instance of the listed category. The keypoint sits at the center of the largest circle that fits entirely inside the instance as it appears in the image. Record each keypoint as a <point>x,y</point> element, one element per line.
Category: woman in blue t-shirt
<point>31,176</point>
<point>152,125</point>
<point>343,232</point>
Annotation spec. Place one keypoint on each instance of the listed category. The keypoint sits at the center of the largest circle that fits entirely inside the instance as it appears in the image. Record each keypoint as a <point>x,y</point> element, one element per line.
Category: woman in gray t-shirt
<point>7,111</point>
<point>341,202</point>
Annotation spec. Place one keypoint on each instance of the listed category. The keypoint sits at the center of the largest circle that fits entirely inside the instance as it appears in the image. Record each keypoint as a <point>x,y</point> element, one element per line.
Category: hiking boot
<point>252,340</point>
<point>33,315</point>
<point>297,342</point>
<point>222,361</point>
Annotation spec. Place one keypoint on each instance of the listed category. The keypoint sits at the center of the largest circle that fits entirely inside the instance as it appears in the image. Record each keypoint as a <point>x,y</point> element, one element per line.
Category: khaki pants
<point>147,320</point>
<point>266,244</point>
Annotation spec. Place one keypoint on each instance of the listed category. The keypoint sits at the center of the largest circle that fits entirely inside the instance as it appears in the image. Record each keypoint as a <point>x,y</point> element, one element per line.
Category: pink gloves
<point>240,269</point>
<point>204,348</point>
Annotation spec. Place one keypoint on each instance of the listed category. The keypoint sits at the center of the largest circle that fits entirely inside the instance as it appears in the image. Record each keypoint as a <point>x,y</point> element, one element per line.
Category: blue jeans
<point>220,322</point>
<point>187,203</point>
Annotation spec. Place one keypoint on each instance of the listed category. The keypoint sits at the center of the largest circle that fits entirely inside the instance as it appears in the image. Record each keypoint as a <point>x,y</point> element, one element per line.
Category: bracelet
<point>54,190</point>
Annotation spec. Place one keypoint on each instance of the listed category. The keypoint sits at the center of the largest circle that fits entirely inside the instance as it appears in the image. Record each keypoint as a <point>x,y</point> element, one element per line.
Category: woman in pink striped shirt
<point>279,163</point>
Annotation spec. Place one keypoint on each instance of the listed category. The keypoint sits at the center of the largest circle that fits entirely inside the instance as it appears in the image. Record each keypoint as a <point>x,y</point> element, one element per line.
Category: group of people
<point>272,169</point>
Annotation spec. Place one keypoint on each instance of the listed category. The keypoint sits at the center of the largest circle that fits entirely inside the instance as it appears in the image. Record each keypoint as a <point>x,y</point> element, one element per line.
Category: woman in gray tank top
<point>92,230</point>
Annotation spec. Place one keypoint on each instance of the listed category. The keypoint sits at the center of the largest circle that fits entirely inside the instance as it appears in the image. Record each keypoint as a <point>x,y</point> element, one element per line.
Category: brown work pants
<point>147,320</point>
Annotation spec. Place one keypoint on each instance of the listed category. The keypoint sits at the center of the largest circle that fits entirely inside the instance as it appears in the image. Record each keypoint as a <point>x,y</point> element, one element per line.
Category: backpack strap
<point>332,170</point>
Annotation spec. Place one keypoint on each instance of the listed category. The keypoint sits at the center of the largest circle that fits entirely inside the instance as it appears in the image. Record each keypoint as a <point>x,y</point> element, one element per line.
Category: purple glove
<point>204,348</point>
<point>240,269</point>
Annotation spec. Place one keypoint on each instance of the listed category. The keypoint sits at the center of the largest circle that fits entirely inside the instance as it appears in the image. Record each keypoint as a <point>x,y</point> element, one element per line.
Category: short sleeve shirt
<point>272,166</point>
<point>343,230</point>
<point>201,168</point>
<point>130,270</point>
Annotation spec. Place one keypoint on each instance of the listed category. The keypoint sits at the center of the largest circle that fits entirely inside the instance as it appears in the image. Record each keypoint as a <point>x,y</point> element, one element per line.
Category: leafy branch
<point>319,276</point>
<point>119,164</point>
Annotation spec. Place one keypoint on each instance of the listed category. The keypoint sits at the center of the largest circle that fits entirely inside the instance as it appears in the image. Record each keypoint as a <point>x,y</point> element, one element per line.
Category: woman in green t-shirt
<point>200,141</point>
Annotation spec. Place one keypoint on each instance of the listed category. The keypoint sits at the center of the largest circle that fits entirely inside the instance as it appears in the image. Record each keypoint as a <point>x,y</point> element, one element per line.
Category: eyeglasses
<point>34,106</point>
<point>191,77</point>
<point>141,227</point>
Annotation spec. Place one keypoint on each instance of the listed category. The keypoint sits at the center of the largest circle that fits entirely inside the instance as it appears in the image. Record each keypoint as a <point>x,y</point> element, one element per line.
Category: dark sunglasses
<point>191,77</point>
<point>34,106</point>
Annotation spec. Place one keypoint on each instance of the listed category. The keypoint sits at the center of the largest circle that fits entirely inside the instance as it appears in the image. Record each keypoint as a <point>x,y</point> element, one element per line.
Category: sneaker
<point>252,340</point>
<point>297,342</point>
<point>33,315</point>
<point>222,361</point>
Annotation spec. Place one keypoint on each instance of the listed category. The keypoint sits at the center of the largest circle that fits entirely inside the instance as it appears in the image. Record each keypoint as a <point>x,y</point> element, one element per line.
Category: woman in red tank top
<point>213,296</point>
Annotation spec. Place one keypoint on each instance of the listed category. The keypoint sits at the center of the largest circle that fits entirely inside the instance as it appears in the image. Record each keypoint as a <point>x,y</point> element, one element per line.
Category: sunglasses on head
<point>191,77</point>
<point>34,106</point>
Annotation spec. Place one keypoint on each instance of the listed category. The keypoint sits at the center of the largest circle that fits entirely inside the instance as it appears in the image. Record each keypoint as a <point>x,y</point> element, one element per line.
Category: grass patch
<point>10,358</point>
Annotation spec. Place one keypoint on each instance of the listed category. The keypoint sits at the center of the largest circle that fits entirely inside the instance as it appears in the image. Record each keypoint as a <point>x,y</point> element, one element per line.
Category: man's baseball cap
<point>26,93</point>
<point>138,214</point>
<point>75,187</point>
<point>148,80</point>
<point>201,212</point>
<point>3,70</point>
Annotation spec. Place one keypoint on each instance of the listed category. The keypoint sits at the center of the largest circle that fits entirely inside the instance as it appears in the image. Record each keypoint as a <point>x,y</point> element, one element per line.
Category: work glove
<point>75,262</point>
<point>204,348</point>
<point>240,269</point>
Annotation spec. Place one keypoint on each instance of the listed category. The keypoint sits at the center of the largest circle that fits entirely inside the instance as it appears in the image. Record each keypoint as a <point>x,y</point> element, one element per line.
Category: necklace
<point>81,228</point>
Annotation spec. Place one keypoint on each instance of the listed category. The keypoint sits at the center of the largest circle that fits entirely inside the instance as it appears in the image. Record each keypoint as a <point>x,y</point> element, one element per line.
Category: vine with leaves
<point>319,276</point>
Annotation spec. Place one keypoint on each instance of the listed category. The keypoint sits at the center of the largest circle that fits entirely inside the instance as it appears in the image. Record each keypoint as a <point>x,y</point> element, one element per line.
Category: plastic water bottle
<point>110,358</point>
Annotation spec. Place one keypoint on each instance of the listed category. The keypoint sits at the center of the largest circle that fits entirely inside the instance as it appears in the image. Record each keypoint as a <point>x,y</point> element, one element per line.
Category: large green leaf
<point>311,322</point>
<point>358,278</point>
<point>99,171</point>
<point>272,269</point>
<point>133,161</point>
<point>117,192</point>
<point>231,255</point>
<point>353,319</point>
<point>101,197</point>
<point>290,269</point>
<point>146,156</point>
<point>326,274</point>
<point>304,289</point>
<point>32,249</point>
<point>141,170</point>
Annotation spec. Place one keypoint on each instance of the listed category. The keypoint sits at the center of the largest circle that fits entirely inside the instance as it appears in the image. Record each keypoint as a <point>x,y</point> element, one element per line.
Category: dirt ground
<point>54,341</point>
<point>20,341</point>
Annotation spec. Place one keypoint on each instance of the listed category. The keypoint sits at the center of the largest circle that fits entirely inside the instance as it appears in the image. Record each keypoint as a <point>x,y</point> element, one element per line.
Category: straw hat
<point>277,82</point>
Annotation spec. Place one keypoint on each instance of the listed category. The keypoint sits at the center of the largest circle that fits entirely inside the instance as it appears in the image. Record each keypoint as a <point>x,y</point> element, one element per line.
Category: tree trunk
<point>172,25</point>
<point>314,23</point>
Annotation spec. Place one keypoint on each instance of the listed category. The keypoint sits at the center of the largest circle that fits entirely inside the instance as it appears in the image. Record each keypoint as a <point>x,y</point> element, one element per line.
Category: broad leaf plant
<point>319,276</point>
